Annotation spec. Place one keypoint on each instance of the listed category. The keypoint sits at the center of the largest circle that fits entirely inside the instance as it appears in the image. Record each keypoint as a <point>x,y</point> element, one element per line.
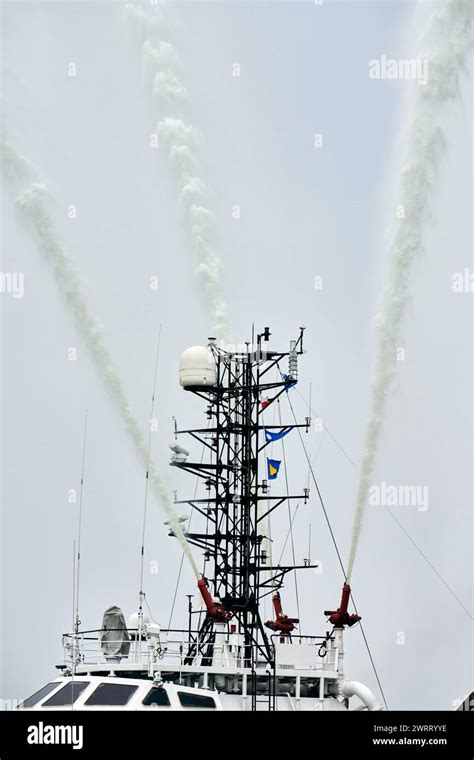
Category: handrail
<point>170,647</point>
<point>187,631</point>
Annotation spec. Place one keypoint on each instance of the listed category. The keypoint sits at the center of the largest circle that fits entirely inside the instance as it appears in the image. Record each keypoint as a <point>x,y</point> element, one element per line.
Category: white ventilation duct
<point>357,689</point>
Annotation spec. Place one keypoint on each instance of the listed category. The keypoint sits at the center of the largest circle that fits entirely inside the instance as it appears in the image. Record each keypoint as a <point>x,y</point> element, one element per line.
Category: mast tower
<point>233,383</point>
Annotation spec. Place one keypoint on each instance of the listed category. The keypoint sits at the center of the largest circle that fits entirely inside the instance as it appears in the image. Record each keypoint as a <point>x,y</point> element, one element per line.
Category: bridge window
<point>156,697</point>
<point>198,701</point>
<point>111,694</point>
<point>67,695</point>
<point>39,695</point>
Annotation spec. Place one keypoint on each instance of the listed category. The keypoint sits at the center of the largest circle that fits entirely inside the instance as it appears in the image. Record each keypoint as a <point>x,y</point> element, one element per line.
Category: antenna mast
<point>234,540</point>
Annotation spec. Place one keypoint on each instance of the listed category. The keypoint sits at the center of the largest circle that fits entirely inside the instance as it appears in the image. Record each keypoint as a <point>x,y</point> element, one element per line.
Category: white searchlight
<point>179,453</point>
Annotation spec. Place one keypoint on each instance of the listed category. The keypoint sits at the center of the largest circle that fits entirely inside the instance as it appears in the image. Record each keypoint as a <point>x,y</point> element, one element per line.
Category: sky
<point>305,211</point>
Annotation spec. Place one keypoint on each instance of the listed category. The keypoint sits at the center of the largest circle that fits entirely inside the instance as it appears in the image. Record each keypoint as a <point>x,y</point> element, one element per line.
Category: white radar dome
<point>133,620</point>
<point>197,368</point>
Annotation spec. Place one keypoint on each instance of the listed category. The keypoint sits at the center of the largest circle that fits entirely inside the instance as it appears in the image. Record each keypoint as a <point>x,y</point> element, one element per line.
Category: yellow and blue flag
<point>273,466</point>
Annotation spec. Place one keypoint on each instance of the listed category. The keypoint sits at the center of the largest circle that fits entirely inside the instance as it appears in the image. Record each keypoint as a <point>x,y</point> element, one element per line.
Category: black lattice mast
<point>237,490</point>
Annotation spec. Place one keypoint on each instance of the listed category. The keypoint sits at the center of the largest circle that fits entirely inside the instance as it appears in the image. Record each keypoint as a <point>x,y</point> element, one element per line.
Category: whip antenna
<point>141,595</point>
<point>79,530</point>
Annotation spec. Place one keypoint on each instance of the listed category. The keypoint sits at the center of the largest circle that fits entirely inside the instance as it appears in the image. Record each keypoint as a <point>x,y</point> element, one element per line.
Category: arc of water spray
<point>449,39</point>
<point>33,203</point>
<point>162,66</point>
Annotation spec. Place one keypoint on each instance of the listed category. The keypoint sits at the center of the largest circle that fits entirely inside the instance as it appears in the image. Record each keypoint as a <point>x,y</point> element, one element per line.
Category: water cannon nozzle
<point>340,617</point>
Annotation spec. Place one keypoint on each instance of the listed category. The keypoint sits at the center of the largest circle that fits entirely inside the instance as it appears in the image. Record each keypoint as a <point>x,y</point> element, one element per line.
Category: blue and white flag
<point>275,435</point>
<point>290,382</point>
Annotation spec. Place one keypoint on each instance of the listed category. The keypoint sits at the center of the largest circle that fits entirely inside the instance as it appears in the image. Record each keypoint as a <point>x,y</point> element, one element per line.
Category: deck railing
<point>175,647</point>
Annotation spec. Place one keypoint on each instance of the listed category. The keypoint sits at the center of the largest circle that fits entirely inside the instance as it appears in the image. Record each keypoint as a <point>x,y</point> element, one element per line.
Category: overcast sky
<point>305,212</point>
